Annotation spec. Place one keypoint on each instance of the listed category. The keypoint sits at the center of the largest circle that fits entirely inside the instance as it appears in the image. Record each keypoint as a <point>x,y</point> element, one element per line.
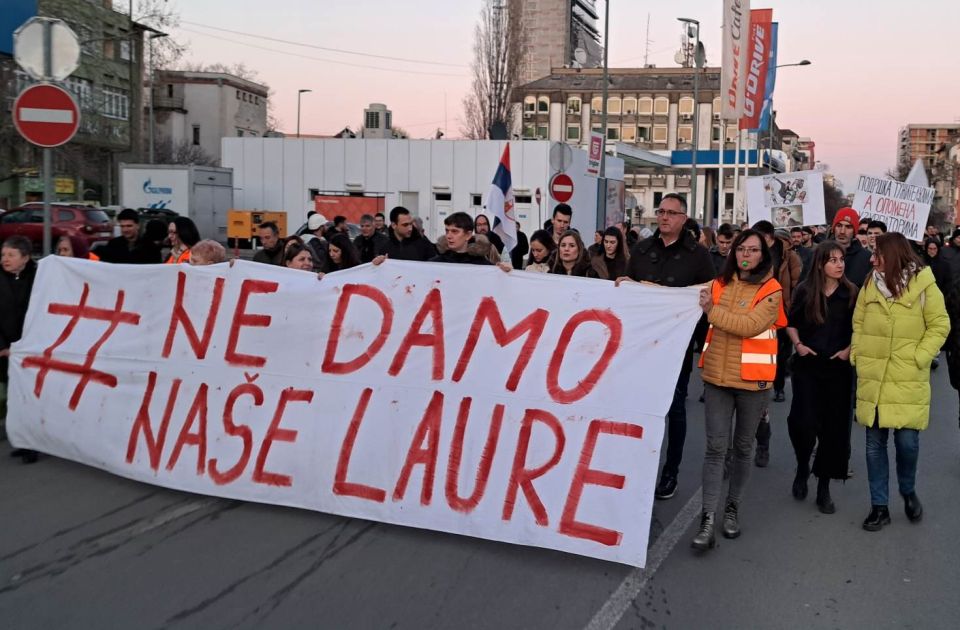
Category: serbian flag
<point>500,203</point>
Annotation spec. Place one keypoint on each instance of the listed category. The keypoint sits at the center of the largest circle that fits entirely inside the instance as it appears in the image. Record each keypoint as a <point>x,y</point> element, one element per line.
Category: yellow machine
<point>242,225</point>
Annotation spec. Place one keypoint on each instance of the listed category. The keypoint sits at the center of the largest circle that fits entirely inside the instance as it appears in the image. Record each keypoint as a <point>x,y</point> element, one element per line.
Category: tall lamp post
<point>693,30</point>
<point>300,93</point>
<point>773,115</point>
<point>153,36</point>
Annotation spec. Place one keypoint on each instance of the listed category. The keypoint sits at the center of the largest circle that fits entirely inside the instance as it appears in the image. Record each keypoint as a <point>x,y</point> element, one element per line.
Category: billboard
<point>758,61</point>
<point>736,23</point>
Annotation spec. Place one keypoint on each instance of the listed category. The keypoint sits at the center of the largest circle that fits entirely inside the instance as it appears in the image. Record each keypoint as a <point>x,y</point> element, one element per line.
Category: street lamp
<point>152,37</point>
<point>693,30</point>
<point>773,114</point>
<point>300,93</point>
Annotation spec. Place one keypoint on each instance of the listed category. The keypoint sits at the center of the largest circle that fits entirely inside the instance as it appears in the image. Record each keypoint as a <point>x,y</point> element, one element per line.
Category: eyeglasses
<point>748,251</point>
<point>862,232</point>
<point>661,212</point>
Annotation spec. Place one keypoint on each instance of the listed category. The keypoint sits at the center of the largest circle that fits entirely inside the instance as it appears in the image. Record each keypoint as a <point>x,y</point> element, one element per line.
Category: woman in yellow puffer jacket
<point>739,361</point>
<point>899,325</point>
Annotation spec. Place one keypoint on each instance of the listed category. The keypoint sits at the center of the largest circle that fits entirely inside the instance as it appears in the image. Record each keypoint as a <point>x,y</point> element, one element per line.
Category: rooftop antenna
<point>646,51</point>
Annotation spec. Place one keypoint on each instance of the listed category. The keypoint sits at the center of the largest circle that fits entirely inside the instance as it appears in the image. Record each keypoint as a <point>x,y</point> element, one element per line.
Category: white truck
<point>202,193</point>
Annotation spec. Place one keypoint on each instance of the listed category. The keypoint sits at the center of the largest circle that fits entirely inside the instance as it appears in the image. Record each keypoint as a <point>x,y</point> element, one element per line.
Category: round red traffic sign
<point>46,115</point>
<point>561,187</point>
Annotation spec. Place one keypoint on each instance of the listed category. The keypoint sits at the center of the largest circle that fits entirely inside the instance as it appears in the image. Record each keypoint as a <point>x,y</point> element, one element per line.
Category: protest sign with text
<point>903,207</point>
<point>518,407</point>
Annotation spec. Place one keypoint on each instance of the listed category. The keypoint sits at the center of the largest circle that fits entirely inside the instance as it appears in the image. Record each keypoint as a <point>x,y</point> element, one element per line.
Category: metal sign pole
<point>47,156</point>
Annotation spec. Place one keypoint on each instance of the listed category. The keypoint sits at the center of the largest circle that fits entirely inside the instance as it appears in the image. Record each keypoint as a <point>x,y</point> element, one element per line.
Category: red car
<point>90,224</point>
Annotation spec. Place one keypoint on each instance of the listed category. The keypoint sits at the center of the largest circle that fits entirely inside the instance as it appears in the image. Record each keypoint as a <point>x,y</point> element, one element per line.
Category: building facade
<point>193,111</point>
<point>653,110</point>
<point>105,86</point>
<point>560,33</point>
<point>922,141</point>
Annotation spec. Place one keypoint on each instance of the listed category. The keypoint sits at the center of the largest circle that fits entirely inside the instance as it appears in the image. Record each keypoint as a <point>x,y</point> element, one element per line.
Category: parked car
<point>90,224</point>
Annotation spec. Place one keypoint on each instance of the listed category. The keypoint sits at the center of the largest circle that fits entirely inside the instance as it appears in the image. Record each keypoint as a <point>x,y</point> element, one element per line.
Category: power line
<point>336,50</point>
<point>335,61</point>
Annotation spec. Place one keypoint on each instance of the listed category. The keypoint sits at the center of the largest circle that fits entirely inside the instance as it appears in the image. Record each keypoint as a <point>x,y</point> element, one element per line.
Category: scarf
<point>878,277</point>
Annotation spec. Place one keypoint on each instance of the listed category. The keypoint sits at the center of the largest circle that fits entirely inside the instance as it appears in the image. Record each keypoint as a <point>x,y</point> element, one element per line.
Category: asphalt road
<point>80,548</point>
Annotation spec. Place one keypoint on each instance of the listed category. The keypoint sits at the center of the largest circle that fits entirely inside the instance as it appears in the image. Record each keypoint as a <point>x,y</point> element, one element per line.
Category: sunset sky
<point>877,65</point>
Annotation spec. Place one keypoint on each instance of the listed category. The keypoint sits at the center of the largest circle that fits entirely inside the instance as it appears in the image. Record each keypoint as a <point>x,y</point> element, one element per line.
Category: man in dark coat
<point>16,282</point>
<point>405,242</point>
<point>461,246</point>
<point>856,257</point>
<point>673,258</point>
<point>369,242</point>
<point>129,248</point>
<point>272,251</point>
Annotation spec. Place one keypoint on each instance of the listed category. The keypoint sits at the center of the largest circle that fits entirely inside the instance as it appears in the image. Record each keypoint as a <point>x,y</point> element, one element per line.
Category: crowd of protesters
<point>856,316</point>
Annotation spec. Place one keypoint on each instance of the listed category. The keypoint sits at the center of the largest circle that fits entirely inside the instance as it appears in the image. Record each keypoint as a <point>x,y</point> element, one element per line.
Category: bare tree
<point>183,152</point>
<point>499,50</point>
<point>162,16</point>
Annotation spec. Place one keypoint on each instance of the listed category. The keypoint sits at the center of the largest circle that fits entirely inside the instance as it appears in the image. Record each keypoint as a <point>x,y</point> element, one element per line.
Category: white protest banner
<point>787,199</point>
<point>520,407</point>
<point>905,208</point>
<point>736,26</point>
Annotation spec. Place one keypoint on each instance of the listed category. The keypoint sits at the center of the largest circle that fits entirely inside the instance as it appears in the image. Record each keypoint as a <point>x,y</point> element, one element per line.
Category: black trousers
<point>820,415</point>
<point>784,350</point>
<point>677,417</point>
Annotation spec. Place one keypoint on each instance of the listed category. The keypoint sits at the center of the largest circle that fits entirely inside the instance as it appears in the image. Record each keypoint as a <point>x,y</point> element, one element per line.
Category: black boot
<point>878,517</point>
<point>762,458</point>
<point>913,507</point>
<point>800,483</point>
<point>824,502</point>
<point>706,537</point>
<point>731,522</point>
<point>29,457</point>
<point>667,487</point>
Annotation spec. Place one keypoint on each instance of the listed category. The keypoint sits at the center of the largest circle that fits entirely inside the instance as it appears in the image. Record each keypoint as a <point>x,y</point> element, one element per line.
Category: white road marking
<point>620,601</point>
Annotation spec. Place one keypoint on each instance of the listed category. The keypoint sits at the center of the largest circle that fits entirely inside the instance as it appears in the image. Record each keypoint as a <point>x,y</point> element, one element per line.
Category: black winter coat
<point>682,264</point>
<point>857,261</point>
<point>117,251</point>
<point>414,248</point>
<point>14,299</point>
<point>370,248</point>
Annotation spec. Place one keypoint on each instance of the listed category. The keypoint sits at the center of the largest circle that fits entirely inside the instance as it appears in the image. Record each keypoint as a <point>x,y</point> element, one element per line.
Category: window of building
<point>256,100</point>
<point>116,103</point>
<point>645,106</point>
<point>238,95</point>
<point>659,133</point>
<point>543,132</point>
<point>715,133</point>
<point>614,105</point>
<point>727,201</point>
<point>613,132</point>
<point>661,106</point>
<point>529,105</point>
<point>628,133</point>
<point>196,135</point>
<point>685,133</point>
<point>573,133</point>
<point>657,198</point>
<point>170,90</point>
<point>685,107</point>
<point>629,106</point>
<point>82,90</point>
<point>596,104</point>
<point>529,131</point>
<point>716,108</point>
<point>543,105</point>
<point>109,49</point>
<point>643,133</point>
<point>126,50</point>
<point>573,105</point>
<point>239,133</point>
<point>732,132</point>
<point>372,120</point>
<point>388,116</point>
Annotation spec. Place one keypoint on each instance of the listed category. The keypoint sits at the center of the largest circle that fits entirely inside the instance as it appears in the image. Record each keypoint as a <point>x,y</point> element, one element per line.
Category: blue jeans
<point>907,443</point>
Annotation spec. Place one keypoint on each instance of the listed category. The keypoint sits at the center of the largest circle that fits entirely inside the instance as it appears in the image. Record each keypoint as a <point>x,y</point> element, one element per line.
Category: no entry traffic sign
<point>561,187</point>
<point>46,115</point>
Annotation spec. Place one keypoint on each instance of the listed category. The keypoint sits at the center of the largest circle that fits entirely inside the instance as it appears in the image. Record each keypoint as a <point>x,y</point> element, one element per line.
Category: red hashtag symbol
<point>85,370</point>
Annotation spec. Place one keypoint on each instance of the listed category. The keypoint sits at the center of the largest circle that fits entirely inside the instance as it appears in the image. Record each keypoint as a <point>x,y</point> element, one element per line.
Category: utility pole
<point>646,50</point>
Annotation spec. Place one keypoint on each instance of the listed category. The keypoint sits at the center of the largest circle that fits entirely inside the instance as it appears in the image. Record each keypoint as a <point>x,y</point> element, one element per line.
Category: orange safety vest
<point>184,257</point>
<point>758,355</point>
<point>92,256</point>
